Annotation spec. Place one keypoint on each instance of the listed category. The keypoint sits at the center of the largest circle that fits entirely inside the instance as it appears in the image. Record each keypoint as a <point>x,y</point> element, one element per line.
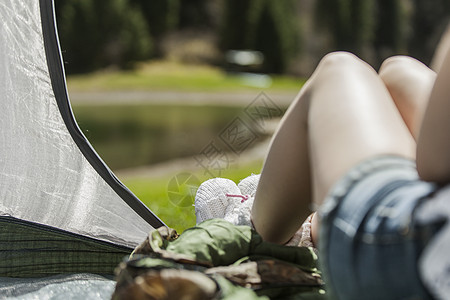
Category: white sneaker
<point>222,198</point>
<point>248,185</point>
<point>240,209</point>
<point>211,201</point>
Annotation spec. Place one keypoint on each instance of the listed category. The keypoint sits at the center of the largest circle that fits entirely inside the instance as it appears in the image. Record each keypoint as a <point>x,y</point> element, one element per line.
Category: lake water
<point>128,136</point>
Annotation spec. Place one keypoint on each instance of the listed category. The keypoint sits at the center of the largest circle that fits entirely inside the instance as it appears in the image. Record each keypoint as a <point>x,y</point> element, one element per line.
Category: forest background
<point>156,90</point>
<point>291,34</point>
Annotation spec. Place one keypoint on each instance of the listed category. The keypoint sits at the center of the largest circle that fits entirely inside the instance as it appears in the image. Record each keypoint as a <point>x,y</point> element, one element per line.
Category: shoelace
<point>243,197</point>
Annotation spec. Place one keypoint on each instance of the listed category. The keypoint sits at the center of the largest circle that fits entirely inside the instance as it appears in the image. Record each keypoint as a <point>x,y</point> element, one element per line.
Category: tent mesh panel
<point>30,250</point>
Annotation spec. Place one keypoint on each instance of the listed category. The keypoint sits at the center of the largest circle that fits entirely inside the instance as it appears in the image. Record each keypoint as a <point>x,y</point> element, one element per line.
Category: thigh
<point>409,83</point>
<point>351,118</point>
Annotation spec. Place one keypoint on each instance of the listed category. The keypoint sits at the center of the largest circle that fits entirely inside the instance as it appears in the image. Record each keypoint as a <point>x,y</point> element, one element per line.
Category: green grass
<point>163,75</point>
<point>154,192</point>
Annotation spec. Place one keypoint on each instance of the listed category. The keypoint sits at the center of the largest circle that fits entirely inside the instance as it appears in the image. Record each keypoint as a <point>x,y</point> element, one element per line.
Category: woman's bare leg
<point>342,116</point>
<point>351,118</point>
<point>283,197</point>
<point>433,146</point>
<point>409,82</point>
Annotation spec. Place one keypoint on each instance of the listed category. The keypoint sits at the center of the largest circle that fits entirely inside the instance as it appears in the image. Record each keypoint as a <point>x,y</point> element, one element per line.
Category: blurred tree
<point>197,14</point>
<point>268,26</point>
<point>276,34</point>
<point>100,33</point>
<point>350,23</point>
<point>161,17</point>
<point>391,34</point>
<point>235,24</point>
<point>429,20</point>
<point>363,23</point>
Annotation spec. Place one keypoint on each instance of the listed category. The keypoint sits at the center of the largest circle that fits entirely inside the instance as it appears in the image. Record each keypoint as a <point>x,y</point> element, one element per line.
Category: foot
<point>222,198</point>
<point>211,201</point>
<point>248,185</point>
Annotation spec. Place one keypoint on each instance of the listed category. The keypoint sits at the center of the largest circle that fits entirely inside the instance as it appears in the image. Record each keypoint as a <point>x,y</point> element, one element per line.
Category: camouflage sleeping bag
<point>217,260</point>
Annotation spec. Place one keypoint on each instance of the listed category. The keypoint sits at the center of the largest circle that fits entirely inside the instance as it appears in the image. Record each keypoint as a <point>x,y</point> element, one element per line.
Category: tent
<point>62,210</point>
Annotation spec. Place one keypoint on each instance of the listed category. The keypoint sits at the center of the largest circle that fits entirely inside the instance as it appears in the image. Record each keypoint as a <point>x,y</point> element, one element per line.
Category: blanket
<point>218,260</point>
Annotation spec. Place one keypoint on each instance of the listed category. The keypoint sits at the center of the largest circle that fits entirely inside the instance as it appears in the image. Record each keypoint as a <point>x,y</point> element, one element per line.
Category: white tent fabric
<point>59,287</point>
<point>49,174</point>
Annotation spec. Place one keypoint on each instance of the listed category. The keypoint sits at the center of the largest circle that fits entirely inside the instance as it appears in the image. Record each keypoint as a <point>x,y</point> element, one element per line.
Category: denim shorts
<point>370,241</point>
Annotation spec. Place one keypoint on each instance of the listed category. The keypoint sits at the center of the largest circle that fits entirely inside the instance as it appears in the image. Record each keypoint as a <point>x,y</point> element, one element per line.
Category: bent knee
<point>401,64</point>
<point>406,75</point>
<point>340,59</point>
<point>343,64</point>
